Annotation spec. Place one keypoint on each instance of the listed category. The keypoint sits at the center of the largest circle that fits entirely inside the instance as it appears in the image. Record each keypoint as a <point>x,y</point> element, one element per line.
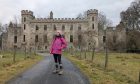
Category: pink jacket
<point>57,45</point>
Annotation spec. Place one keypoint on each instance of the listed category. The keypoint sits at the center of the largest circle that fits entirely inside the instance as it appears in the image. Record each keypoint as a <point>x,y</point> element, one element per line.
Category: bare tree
<point>15,26</point>
<point>82,15</point>
<point>131,16</point>
<point>80,42</point>
<point>131,20</point>
<point>90,34</point>
<point>103,21</point>
<point>79,15</point>
<point>3,28</point>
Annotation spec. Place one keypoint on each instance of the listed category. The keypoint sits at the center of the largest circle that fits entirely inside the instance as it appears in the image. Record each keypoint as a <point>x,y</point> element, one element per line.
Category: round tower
<point>26,16</point>
<point>51,15</point>
<point>92,16</point>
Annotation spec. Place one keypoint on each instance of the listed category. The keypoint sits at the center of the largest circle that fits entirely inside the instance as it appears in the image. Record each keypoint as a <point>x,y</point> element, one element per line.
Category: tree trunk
<point>85,54</point>
<point>93,54</point>
<point>139,76</point>
<point>30,52</point>
<point>106,53</point>
<point>106,58</point>
<point>25,53</point>
<point>14,55</point>
<point>81,53</point>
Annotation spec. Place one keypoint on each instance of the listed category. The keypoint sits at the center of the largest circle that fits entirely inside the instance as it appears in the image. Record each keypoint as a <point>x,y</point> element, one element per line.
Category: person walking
<point>57,45</point>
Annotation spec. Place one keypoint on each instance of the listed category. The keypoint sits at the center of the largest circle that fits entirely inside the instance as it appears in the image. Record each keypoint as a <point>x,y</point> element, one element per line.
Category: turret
<point>92,16</point>
<point>51,15</point>
<point>10,25</point>
<point>27,16</point>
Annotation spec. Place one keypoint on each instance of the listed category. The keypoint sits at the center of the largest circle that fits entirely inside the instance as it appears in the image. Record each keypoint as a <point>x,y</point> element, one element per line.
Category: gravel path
<point>41,73</point>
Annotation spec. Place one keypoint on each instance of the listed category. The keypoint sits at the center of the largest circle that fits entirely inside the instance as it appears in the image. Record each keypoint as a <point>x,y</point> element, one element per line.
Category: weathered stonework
<point>27,30</point>
<point>37,33</point>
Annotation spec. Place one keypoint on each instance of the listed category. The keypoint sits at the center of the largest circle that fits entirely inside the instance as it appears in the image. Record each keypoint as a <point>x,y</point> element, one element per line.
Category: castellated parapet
<point>26,12</point>
<point>60,19</point>
<point>37,33</point>
<point>92,11</point>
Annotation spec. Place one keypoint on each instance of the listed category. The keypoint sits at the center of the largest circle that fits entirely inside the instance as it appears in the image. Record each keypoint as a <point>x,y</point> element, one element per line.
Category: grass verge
<point>9,69</point>
<point>122,69</point>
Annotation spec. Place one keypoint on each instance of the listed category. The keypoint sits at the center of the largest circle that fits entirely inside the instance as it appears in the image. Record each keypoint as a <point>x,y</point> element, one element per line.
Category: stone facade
<point>37,33</point>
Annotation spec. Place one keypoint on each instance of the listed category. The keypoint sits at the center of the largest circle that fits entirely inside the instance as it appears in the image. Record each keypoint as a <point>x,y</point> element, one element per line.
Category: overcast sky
<point>62,8</point>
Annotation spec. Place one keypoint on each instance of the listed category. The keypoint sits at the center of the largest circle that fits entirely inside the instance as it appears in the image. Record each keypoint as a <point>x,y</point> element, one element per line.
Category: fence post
<point>85,54</point>
<point>139,76</point>
<point>25,53</point>
<point>106,52</point>
<point>93,53</point>
<point>14,55</point>
<point>81,53</point>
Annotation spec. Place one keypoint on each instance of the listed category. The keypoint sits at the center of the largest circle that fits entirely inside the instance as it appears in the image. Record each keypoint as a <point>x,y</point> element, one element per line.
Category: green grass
<point>122,68</point>
<point>9,69</point>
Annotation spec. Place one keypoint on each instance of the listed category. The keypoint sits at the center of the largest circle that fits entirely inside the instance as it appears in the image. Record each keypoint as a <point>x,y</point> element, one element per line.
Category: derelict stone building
<point>37,33</point>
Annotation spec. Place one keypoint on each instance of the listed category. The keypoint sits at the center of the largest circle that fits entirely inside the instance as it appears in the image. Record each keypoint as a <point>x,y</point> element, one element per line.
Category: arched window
<point>24,38</point>
<point>15,39</point>
<point>36,38</point>
<point>24,19</point>
<point>24,26</point>
<point>71,38</point>
<point>63,27</point>
<point>92,26</point>
<point>45,47</point>
<point>37,28</point>
<point>104,39</point>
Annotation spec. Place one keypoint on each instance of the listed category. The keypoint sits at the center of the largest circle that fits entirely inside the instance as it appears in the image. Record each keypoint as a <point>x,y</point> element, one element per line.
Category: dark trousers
<point>57,59</point>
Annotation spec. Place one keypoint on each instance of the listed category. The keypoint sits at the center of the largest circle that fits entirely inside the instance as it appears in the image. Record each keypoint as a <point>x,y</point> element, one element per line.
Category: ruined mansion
<point>37,33</point>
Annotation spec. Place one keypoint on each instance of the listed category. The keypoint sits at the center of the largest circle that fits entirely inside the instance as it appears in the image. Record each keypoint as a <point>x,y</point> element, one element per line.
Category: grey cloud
<point>62,8</point>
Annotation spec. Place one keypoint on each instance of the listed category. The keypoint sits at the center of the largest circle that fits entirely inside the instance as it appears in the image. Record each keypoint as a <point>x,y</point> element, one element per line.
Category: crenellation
<point>59,20</point>
<point>41,26</point>
<point>92,11</point>
<point>27,12</point>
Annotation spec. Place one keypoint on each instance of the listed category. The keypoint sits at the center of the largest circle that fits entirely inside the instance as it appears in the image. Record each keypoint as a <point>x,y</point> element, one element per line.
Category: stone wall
<point>29,23</point>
